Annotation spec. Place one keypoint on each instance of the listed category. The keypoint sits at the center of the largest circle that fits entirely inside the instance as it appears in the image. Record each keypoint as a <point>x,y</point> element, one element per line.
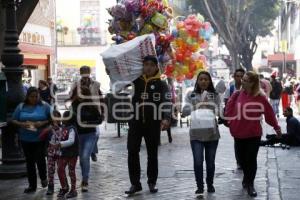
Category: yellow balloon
<point>159,20</point>
<point>177,66</point>
<point>182,33</point>
<point>200,18</point>
<point>175,73</point>
<point>148,28</point>
<point>199,64</point>
<point>185,69</point>
<point>165,3</point>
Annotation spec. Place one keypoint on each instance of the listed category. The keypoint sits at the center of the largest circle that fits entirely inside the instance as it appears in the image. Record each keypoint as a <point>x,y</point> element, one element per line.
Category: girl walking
<point>204,136</point>
<point>69,151</point>
<point>54,137</point>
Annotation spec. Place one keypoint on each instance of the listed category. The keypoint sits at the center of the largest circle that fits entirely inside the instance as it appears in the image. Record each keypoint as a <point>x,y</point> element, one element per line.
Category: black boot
<point>210,188</point>
<point>29,189</point>
<point>251,191</point>
<point>50,190</point>
<point>133,189</point>
<point>152,188</point>
<point>170,139</point>
<point>200,191</point>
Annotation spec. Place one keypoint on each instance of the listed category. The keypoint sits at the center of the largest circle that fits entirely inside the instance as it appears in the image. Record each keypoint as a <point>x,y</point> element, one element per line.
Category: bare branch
<point>221,30</point>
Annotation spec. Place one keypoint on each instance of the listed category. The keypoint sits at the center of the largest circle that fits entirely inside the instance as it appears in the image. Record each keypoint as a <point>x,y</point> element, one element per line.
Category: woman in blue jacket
<point>31,116</point>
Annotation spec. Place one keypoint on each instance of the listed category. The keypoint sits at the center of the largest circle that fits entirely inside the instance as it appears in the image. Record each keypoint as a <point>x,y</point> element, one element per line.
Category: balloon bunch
<point>190,37</point>
<point>132,18</point>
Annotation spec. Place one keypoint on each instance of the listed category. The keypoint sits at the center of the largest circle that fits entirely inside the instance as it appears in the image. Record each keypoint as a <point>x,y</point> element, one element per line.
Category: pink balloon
<point>207,25</point>
<point>204,45</point>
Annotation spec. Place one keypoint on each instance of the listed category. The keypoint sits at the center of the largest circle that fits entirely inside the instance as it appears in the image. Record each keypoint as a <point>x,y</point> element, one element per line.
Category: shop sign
<point>35,34</point>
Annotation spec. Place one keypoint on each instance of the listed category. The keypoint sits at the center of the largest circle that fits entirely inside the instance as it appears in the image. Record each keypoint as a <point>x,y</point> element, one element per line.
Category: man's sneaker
<point>84,186</point>
<point>71,194</point>
<point>210,188</point>
<point>133,189</point>
<point>94,157</point>
<point>62,193</point>
<point>44,183</point>
<point>152,188</point>
<point>50,190</point>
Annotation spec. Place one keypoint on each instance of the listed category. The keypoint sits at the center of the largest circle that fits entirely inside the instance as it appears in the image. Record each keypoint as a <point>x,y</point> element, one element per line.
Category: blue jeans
<point>86,146</point>
<point>210,155</point>
<point>95,149</point>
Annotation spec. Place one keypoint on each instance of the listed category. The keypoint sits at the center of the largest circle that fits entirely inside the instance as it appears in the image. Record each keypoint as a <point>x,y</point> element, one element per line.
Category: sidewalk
<point>278,174</point>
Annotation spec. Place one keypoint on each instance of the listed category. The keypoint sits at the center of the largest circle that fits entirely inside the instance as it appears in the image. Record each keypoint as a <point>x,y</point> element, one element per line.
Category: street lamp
<point>11,58</point>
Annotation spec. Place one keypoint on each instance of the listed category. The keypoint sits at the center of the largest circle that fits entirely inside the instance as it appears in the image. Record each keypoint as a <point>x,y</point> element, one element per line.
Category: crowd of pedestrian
<point>63,138</point>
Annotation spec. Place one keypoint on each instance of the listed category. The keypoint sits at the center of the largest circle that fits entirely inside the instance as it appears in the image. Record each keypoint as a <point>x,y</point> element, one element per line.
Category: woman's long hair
<point>29,92</point>
<point>210,87</point>
<point>254,79</point>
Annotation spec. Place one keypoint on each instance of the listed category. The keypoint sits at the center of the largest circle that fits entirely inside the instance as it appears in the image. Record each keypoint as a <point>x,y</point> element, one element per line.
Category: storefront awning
<point>77,63</point>
<point>280,57</point>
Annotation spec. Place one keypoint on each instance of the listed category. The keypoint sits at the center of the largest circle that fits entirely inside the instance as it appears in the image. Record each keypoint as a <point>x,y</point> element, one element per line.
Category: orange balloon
<point>187,60</point>
<point>179,42</point>
<point>189,75</point>
<point>192,67</point>
<point>180,78</point>
<point>179,25</point>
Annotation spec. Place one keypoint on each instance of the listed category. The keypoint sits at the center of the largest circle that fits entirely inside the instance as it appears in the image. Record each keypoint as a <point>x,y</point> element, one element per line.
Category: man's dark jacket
<point>152,91</point>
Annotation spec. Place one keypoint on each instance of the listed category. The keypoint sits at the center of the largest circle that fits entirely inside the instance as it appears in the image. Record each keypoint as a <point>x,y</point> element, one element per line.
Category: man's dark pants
<point>150,131</point>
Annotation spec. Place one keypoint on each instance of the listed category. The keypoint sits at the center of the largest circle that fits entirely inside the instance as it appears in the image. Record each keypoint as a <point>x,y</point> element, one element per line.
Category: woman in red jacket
<point>243,112</point>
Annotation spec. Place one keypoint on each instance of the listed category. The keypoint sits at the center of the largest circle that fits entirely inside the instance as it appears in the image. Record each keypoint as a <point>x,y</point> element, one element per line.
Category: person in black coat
<point>152,113</point>
<point>292,137</point>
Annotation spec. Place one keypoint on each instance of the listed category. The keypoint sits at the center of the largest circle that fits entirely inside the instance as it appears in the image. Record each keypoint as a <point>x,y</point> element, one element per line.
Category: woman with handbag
<point>243,113</point>
<point>203,105</point>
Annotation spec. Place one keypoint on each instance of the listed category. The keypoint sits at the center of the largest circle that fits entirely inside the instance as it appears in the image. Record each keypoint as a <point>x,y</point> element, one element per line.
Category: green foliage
<point>263,12</point>
<point>263,16</point>
<point>239,22</point>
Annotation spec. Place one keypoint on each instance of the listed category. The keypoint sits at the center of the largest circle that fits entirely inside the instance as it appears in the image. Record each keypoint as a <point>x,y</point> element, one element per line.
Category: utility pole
<point>12,156</point>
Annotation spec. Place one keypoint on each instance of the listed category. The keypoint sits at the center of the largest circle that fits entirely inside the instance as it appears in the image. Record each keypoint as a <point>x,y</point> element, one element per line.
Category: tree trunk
<point>247,60</point>
<point>235,60</point>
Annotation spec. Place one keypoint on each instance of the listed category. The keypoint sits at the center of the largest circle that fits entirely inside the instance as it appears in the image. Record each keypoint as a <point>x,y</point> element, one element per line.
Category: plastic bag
<point>203,119</point>
<point>124,62</point>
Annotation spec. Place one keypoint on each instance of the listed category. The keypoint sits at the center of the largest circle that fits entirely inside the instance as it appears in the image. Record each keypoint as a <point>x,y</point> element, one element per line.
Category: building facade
<point>286,57</point>
<point>37,43</point>
<point>81,37</point>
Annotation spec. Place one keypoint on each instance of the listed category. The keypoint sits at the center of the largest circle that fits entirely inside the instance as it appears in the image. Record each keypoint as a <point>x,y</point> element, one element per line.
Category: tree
<point>238,23</point>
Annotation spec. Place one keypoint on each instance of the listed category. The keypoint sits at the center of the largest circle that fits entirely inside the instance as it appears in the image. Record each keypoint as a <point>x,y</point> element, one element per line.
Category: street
<point>278,174</point>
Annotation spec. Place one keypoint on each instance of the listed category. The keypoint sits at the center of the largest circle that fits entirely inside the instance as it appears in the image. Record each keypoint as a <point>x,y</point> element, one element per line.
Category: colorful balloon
<point>190,37</point>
